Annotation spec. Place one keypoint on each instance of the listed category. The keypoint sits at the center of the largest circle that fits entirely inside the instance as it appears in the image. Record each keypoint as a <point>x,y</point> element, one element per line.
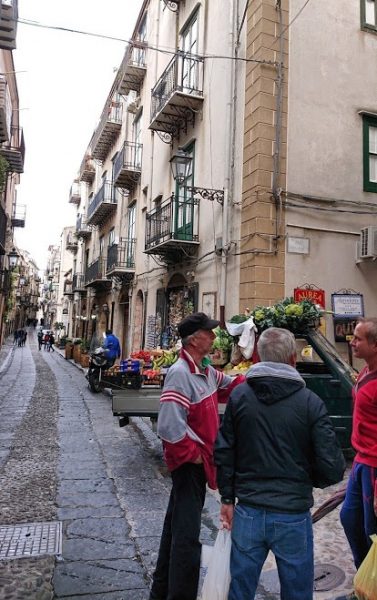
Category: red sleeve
<point>223,395</point>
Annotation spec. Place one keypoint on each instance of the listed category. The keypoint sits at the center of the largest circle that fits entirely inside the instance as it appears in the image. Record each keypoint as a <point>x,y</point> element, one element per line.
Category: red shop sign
<point>316,296</point>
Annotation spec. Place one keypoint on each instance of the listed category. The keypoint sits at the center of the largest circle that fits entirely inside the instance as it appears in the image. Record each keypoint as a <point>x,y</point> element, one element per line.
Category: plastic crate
<point>130,366</point>
<point>121,379</point>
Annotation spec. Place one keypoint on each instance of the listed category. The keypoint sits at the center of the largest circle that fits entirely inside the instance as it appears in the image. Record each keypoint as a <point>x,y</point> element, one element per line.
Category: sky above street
<point>63,80</point>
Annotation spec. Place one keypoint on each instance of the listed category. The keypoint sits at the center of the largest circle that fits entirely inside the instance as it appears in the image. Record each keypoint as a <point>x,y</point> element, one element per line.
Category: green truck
<point>325,372</point>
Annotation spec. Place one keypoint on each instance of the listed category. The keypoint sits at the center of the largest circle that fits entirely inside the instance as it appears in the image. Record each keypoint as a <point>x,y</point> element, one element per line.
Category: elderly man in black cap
<point>188,422</point>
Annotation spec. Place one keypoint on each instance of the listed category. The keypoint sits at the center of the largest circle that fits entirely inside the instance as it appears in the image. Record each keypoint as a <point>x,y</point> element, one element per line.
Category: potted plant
<point>77,350</point>
<point>68,348</point>
<point>84,347</point>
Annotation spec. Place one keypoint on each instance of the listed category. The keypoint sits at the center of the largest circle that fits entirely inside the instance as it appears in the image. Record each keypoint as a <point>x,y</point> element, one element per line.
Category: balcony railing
<point>3,229</point>
<point>107,130</point>
<point>72,243</point>
<point>121,257</point>
<point>82,229</point>
<point>78,284</point>
<point>87,170</point>
<point>8,24</point>
<point>75,193</point>
<point>171,225</point>
<point>5,112</point>
<point>18,215</point>
<point>127,165</point>
<point>133,68</point>
<point>103,205</point>
<point>14,151</point>
<point>68,288</point>
<point>96,273</point>
<point>181,80</point>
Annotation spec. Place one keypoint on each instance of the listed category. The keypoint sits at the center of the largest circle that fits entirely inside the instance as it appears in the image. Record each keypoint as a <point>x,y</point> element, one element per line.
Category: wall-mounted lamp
<point>105,308</point>
<point>181,166</point>
<point>94,317</point>
<point>13,259</point>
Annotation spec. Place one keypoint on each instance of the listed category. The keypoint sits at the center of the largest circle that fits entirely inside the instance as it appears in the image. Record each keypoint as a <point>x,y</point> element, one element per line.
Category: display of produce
<point>165,359</point>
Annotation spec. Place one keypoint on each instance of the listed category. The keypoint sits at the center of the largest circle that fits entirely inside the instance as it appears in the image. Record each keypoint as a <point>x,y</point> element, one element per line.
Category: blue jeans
<point>357,514</point>
<point>288,536</point>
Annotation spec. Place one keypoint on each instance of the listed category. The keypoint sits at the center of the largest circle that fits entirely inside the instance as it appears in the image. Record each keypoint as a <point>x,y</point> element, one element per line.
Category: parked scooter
<point>97,364</point>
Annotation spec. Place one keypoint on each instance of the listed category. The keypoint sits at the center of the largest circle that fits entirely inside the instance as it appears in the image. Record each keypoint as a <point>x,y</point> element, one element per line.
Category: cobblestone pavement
<point>64,459</point>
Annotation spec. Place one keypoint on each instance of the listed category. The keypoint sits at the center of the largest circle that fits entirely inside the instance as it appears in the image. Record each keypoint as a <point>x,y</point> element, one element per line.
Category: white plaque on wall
<point>298,245</point>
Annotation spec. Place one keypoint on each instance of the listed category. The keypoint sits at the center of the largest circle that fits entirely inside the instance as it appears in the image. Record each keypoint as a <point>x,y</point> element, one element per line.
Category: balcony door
<point>138,133</point>
<point>190,62</point>
<point>184,204</point>
<point>131,233</point>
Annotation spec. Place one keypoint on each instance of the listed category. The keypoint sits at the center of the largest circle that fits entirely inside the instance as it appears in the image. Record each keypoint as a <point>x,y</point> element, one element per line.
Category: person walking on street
<point>51,342</point>
<point>24,336</point>
<point>112,347</point>
<point>15,337</point>
<point>276,442</point>
<point>20,334</point>
<point>46,339</point>
<point>40,339</point>
<point>187,423</point>
<point>359,510</point>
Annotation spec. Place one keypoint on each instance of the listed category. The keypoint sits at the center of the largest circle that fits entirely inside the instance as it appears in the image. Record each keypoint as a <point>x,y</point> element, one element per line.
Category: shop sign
<point>344,329</point>
<point>316,296</point>
<point>347,305</point>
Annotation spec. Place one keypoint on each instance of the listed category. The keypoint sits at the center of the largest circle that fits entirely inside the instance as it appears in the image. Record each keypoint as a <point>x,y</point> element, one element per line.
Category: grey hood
<point>272,381</point>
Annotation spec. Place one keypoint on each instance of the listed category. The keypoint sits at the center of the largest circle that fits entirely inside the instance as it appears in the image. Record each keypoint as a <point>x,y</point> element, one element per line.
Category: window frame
<point>368,121</point>
<point>365,26</point>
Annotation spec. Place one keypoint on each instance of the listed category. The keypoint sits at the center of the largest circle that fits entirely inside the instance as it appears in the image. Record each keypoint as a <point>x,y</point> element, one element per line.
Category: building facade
<point>12,154</point>
<point>155,244</point>
<point>309,182</point>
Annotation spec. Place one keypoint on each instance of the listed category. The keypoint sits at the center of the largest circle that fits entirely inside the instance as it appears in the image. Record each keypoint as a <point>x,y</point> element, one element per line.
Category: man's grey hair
<point>370,328</point>
<point>276,345</point>
<point>187,340</point>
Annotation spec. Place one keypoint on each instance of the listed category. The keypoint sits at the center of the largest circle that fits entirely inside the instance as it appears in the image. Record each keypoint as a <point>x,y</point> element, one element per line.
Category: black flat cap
<point>194,322</point>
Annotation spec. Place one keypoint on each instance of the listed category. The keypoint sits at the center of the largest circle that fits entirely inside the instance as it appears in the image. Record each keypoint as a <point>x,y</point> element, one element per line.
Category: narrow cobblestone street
<point>64,459</point>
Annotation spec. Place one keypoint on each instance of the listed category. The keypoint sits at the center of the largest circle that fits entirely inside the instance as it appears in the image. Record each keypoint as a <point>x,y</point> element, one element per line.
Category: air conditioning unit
<point>368,242</point>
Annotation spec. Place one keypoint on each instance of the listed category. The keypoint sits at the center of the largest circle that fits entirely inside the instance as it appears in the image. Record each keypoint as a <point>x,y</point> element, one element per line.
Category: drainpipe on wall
<point>228,137</point>
<point>275,190</point>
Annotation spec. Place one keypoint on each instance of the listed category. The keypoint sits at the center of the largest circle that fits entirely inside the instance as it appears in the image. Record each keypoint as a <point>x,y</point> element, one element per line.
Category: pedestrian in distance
<point>46,340</point>
<point>15,337</point>
<point>187,423</point>
<point>51,342</point>
<point>359,510</point>
<point>19,339</point>
<point>40,339</point>
<point>276,442</point>
<point>112,347</point>
<point>24,337</point>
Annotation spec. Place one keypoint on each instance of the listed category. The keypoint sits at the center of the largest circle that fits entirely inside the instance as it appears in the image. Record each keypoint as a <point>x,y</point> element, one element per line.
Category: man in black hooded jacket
<point>275,443</point>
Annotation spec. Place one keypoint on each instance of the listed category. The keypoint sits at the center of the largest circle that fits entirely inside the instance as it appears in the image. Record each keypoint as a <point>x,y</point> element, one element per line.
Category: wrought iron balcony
<point>75,193</point>
<point>127,165</point>
<point>107,130</point>
<point>68,288</point>
<point>3,229</point>
<point>177,95</point>
<point>83,231</point>
<point>78,284</point>
<point>133,68</point>
<point>121,257</point>
<point>14,151</point>
<point>95,275</point>
<point>87,170</point>
<point>103,205</point>
<point>18,215</point>
<point>8,24</point>
<point>172,229</point>
<point>72,243</point>
<point>5,112</point>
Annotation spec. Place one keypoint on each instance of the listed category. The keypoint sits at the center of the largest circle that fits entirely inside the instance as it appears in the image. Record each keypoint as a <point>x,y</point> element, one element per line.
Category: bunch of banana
<point>243,366</point>
<point>169,357</point>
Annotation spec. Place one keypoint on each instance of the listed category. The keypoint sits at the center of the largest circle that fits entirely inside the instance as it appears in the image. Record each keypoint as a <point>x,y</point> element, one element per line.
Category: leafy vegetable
<point>223,340</point>
<point>238,319</point>
<point>288,314</point>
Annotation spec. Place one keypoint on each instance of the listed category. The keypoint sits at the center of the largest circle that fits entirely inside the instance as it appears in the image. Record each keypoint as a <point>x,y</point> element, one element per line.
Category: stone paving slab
<point>93,577</point>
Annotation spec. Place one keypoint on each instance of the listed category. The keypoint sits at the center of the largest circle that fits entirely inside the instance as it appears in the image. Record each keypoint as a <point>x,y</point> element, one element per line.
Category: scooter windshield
<point>96,342</point>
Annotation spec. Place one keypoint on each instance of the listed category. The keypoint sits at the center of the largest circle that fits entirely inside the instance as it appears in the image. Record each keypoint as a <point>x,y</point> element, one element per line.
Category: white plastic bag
<point>217,580</point>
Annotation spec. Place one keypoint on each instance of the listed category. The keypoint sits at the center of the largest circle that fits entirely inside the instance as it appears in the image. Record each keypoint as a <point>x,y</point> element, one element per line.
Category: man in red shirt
<point>358,512</point>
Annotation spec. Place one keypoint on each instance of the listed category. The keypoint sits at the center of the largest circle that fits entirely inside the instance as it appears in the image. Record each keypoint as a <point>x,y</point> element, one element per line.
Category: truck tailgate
<point>140,403</point>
